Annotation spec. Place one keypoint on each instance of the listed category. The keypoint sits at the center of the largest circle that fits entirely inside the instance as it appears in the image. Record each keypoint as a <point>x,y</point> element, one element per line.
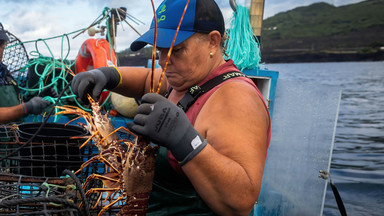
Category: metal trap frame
<point>37,165</point>
<point>44,158</point>
<point>26,195</point>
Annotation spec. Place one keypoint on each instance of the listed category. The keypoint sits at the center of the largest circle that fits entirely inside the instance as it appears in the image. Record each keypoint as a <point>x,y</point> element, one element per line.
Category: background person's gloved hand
<point>166,124</point>
<point>93,82</point>
<point>35,106</point>
<point>49,91</point>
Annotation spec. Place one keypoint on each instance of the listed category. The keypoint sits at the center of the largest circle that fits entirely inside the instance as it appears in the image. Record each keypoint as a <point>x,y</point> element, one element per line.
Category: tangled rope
<point>80,188</point>
<point>54,199</point>
<point>242,46</point>
<point>49,72</point>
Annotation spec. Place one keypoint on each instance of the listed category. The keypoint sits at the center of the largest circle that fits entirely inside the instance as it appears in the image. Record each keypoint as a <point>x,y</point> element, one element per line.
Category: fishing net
<point>15,54</point>
<point>36,72</point>
<point>242,46</point>
<point>41,71</point>
<point>35,75</point>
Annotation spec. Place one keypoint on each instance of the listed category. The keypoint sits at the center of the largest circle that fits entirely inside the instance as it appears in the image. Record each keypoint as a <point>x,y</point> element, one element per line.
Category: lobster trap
<point>47,155</point>
<point>26,195</point>
<point>39,166</point>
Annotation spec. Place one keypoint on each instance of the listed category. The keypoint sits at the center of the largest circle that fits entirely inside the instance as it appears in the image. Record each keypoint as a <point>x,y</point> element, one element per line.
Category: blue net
<point>242,46</point>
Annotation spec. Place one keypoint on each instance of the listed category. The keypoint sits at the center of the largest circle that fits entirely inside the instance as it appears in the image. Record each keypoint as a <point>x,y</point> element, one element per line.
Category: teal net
<point>242,46</point>
<point>42,71</point>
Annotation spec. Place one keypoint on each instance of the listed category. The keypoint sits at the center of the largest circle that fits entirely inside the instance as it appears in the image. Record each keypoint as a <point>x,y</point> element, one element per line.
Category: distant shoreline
<point>281,58</point>
<point>321,57</point>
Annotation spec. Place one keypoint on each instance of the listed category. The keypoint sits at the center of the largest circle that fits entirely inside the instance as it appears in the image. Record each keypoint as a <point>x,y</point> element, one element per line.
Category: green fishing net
<point>242,46</point>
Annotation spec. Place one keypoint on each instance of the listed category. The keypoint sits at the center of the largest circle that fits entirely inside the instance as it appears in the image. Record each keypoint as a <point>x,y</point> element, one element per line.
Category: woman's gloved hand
<point>93,82</point>
<point>166,124</point>
<point>35,106</point>
<point>50,91</point>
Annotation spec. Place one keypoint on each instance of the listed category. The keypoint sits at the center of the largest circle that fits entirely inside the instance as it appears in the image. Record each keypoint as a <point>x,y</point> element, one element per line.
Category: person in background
<point>11,106</point>
<point>213,145</point>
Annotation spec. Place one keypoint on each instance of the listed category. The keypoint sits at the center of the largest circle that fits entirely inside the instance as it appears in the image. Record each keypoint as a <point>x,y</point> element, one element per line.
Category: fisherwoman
<point>12,108</point>
<point>213,144</point>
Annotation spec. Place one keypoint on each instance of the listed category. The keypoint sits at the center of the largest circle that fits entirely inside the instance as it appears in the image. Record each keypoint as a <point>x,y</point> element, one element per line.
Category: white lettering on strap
<point>196,142</point>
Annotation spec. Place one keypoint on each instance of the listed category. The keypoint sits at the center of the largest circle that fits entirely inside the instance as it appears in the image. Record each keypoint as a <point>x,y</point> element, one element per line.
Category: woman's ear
<point>214,40</point>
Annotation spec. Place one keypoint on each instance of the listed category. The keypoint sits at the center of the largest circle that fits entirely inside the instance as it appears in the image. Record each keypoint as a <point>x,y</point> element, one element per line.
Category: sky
<point>30,20</point>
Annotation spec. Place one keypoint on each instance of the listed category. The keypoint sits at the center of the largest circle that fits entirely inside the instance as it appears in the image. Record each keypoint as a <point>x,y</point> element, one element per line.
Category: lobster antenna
<point>170,49</point>
<point>152,89</point>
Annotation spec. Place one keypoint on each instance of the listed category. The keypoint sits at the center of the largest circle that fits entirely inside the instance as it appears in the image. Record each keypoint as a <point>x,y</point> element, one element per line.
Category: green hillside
<point>315,33</point>
<point>354,32</point>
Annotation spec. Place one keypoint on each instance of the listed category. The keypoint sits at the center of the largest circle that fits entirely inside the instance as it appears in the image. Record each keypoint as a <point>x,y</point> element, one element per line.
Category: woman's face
<point>189,63</point>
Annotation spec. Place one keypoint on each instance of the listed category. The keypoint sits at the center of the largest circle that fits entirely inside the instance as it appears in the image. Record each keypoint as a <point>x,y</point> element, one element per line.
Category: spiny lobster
<point>130,169</point>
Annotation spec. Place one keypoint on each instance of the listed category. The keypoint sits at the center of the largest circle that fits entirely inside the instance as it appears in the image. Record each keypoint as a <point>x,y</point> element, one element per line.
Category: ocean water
<point>357,167</point>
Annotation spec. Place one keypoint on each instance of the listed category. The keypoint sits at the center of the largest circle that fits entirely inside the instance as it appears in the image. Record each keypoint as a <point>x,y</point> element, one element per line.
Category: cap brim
<point>164,38</point>
<point>3,36</point>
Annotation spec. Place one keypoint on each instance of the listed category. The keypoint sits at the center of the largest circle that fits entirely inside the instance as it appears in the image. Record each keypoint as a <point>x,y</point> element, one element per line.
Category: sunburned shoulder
<point>237,110</point>
<point>237,92</point>
<point>235,100</point>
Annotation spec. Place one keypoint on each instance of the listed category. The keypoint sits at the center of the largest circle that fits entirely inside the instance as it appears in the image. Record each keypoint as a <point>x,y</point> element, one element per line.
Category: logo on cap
<point>162,10</point>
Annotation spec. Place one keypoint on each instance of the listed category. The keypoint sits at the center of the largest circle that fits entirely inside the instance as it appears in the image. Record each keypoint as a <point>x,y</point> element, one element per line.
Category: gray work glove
<point>49,91</point>
<point>36,105</point>
<point>93,82</point>
<point>166,124</point>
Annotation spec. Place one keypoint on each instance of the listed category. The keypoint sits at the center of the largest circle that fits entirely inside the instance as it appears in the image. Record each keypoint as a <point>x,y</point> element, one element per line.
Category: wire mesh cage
<point>46,158</point>
<point>25,195</point>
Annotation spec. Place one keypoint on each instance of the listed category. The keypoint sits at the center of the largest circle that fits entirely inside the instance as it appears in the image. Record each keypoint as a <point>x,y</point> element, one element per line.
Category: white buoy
<point>126,106</point>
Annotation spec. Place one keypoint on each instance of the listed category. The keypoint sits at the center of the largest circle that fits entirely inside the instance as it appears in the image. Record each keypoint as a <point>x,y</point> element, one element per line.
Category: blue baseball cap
<point>3,33</point>
<point>201,16</point>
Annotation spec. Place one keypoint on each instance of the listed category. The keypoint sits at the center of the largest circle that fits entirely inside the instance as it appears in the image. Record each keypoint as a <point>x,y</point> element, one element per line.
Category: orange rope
<point>170,50</point>
<point>152,89</point>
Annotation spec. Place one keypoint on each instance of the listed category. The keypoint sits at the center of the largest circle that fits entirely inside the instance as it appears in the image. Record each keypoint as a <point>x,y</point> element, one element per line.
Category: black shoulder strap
<point>196,91</point>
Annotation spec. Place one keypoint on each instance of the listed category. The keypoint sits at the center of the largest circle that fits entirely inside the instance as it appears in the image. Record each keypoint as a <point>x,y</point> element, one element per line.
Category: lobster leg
<point>100,177</point>
<point>93,135</point>
<point>93,159</point>
<point>110,204</point>
<point>102,140</point>
<point>72,120</point>
<point>98,190</point>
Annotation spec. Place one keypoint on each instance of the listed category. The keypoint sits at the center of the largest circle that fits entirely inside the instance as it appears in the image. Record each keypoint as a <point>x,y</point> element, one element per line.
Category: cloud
<point>40,19</point>
<point>33,19</point>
